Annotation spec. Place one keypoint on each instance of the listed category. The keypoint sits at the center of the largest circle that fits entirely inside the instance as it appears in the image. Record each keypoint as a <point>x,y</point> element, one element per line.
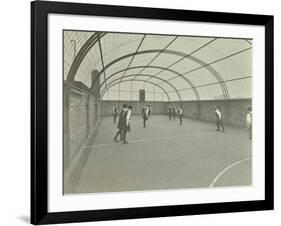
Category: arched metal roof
<point>182,67</point>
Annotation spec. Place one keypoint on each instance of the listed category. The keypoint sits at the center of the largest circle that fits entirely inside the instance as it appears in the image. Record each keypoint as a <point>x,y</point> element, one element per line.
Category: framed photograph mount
<point>189,94</point>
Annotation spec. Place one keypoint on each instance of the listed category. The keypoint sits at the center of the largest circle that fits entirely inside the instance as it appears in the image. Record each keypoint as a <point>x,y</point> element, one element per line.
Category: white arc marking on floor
<point>226,169</point>
<point>153,139</point>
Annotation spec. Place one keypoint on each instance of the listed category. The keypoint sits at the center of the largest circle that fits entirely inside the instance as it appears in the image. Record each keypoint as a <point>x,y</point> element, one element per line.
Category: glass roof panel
<point>185,65</point>
<point>237,66</point>
<point>143,59</point>
<point>142,77</point>
<point>112,79</point>
<point>165,60</point>
<point>222,49</point>
<point>148,87</point>
<point>125,95</point>
<point>90,62</point>
<point>173,96</point>
<point>155,42</point>
<point>115,45</point>
<point>136,86</point>
<point>114,88</point>
<point>201,77</point>
<point>125,85</point>
<point>155,80</point>
<point>153,93</point>
<point>240,88</point>
<point>120,65</point>
<point>110,95</point>
<point>230,59</point>
<point>166,75</point>
<point>151,71</point>
<point>160,97</point>
<point>180,83</point>
<point>73,41</point>
<point>210,92</point>
<point>133,71</point>
<point>166,86</point>
<point>187,94</point>
<point>158,90</point>
<point>188,44</point>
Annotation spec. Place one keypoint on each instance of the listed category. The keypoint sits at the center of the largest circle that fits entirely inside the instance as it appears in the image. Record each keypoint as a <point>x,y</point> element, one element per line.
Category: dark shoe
<point>115,140</point>
<point>125,142</point>
<point>217,130</point>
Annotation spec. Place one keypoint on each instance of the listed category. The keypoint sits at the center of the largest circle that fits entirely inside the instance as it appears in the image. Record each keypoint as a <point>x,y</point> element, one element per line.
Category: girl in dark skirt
<point>121,123</point>
<point>145,115</point>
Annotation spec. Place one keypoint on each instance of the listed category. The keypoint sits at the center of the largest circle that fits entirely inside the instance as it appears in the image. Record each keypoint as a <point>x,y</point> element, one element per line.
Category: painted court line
<point>153,139</point>
<point>226,169</point>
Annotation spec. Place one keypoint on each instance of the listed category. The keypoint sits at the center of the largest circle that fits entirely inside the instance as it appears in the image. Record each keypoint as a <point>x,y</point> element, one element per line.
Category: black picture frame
<point>39,112</point>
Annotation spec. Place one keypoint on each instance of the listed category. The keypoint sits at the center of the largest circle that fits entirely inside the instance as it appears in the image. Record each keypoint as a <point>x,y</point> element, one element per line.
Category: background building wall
<point>158,107</point>
<point>233,111</point>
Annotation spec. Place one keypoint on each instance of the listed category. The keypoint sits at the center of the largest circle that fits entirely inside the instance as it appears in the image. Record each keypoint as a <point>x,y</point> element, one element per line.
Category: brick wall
<point>233,111</point>
<point>157,107</point>
<point>81,114</point>
<point>81,123</point>
<point>78,121</point>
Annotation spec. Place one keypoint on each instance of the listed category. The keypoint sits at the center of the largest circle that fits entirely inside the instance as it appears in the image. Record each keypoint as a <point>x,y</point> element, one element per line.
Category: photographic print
<point>145,112</point>
<point>149,111</point>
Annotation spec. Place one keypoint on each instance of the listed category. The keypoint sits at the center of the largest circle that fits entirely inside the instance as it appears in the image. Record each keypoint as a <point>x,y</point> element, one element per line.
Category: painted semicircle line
<point>219,175</point>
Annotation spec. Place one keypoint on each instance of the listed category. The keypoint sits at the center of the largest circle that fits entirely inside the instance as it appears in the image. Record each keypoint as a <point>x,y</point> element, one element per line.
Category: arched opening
<point>186,81</point>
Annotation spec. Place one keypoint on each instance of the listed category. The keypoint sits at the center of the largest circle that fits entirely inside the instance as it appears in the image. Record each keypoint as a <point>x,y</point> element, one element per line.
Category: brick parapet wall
<point>233,110</point>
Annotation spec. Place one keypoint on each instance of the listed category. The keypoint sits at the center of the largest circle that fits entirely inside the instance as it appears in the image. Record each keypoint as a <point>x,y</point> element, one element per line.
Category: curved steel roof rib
<point>173,52</point>
<point>157,67</point>
<point>145,75</point>
<point>81,54</point>
<point>96,37</point>
<point>219,78</point>
<point>109,85</point>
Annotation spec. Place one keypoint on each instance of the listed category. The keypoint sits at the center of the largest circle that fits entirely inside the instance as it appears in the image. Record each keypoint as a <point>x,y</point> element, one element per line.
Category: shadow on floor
<point>25,219</point>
